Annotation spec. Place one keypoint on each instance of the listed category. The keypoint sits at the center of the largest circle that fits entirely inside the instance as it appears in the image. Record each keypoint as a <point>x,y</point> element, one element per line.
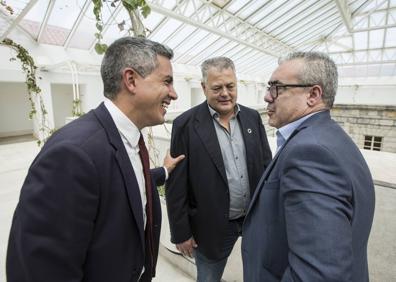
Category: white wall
<point>366,94</point>
<point>62,103</point>
<point>197,96</point>
<point>14,109</point>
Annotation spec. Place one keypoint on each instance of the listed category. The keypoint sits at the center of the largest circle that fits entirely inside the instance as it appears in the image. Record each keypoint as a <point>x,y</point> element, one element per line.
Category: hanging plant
<point>34,91</point>
<point>133,8</point>
<point>76,111</point>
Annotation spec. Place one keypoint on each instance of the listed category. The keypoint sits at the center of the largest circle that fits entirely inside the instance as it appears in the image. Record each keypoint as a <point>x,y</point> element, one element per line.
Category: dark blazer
<point>79,216</point>
<point>197,193</point>
<point>311,215</point>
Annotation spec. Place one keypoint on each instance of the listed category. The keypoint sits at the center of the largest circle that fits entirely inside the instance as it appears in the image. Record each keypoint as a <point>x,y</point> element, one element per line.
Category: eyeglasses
<point>273,89</point>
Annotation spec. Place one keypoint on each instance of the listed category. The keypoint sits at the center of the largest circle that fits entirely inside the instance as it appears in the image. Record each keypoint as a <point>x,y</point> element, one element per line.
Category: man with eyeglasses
<point>226,151</point>
<point>311,214</point>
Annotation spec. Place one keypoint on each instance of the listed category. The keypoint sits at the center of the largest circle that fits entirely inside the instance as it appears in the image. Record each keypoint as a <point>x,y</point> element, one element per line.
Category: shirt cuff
<point>166,173</point>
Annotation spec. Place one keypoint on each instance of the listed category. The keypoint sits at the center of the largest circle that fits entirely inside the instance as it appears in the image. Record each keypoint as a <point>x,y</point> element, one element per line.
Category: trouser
<point>212,270</point>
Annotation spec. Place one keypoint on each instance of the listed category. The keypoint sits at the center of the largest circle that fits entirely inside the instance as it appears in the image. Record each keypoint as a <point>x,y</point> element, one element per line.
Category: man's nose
<point>224,90</point>
<point>172,93</point>
<point>268,98</point>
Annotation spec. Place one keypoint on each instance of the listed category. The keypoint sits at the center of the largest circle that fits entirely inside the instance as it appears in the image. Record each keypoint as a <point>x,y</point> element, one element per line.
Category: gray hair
<point>219,63</point>
<point>137,53</point>
<point>318,69</point>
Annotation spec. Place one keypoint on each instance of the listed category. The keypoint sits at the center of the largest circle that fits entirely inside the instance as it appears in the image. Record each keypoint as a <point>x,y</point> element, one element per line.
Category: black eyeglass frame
<point>275,94</point>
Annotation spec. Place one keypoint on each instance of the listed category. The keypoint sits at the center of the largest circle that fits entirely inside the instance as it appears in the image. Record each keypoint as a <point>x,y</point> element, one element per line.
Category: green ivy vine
<point>76,111</point>
<point>29,68</point>
<point>132,7</point>
<point>8,8</point>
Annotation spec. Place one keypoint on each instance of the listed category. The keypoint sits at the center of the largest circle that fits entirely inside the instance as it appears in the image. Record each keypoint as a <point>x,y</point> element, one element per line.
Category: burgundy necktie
<point>144,156</point>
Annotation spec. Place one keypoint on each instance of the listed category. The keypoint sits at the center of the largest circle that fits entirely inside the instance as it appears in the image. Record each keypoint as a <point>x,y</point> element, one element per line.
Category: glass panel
<point>181,35</point>
<point>360,40</point>
<point>377,139</point>
<point>391,37</point>
<point>65,13</point>
<point>165,30</point>
<point>32,21</point>
<point>236,5</point>
<point>377,19</point>
<point>376,38</point>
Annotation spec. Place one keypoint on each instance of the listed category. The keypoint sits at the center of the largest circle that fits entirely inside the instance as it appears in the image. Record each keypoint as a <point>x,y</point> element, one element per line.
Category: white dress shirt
<point>130,135</point>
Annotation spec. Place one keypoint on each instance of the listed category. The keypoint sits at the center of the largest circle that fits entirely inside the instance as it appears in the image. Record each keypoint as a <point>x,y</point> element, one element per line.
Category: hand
<point>170,163</point>
<point>186,248</point>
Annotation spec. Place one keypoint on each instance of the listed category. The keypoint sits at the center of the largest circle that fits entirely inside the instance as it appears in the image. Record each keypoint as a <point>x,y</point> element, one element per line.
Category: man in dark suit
<point>226,151</point>
<point>82,213</point>
<point>311,214</point>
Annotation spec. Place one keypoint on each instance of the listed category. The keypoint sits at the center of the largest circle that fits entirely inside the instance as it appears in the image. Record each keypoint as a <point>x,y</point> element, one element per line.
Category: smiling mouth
<point>165,105</point>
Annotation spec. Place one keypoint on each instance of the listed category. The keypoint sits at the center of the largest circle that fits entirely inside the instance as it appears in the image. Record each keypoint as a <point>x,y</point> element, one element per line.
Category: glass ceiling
<point>360,35</point>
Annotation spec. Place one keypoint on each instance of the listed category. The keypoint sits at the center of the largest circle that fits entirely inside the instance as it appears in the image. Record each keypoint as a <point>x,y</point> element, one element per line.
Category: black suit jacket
<point>79,216</point>
<point>197,193</point>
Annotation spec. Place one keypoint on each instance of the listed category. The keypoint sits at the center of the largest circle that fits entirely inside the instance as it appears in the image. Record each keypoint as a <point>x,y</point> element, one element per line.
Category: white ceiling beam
<point>21,28</point>
<point>360,14</point>
<point>345,12</point>
<point>77,23</point>
<point>244,34</point>
<point>363,50</point>
<point>47,15</point>
<point>357,63</point>
<point>374,28</point>
<point>18,19</point>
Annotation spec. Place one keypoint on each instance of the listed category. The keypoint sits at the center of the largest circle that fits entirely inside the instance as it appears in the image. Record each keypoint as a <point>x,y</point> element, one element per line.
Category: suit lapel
<point>248,131</point>
<point>319,117</point>
<point>126,169</point>
<point>264,178</point>
<point>207,133</point>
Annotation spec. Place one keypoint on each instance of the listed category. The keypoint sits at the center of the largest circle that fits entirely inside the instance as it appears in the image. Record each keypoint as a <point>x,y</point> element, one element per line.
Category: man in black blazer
<point>311,214</point>
<point>82,213</point>
<point>226,151</point>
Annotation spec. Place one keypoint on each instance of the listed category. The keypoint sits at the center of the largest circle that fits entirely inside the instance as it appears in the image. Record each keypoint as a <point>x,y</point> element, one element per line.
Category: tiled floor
<point>15,159</point>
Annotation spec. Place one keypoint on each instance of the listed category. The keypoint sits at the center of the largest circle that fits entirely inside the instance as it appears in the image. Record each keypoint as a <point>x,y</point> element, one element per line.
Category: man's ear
<point>315,96</point>
<point>129,77</point>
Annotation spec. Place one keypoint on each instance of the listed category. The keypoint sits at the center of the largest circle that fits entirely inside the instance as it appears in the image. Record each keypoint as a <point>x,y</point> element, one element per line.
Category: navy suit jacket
<point>197,193</point>
<point>311,215</point>
<point>80,216</point>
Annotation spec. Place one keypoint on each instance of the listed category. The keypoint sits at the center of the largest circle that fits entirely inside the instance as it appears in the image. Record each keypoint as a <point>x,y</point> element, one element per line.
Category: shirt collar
<point>124,125</point>
<point>288,129</point>
<point>216,115</point>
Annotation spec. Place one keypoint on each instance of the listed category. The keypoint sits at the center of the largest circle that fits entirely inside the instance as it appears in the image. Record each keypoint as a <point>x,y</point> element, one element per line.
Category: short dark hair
<point>135,52</point>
